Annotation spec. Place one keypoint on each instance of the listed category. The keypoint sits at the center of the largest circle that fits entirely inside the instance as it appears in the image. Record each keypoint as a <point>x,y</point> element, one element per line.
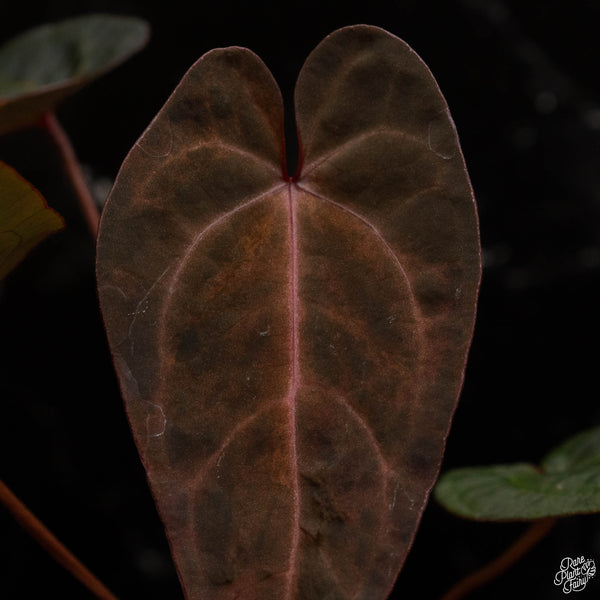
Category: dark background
<point>521,80</point>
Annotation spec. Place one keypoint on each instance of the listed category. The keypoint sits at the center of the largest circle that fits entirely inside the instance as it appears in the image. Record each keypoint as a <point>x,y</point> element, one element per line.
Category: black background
<point>521,80</point>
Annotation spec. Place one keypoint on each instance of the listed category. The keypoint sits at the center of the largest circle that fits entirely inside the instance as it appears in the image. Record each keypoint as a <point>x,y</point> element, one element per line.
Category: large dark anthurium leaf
<point>290,350</point>
<point>43,66</point>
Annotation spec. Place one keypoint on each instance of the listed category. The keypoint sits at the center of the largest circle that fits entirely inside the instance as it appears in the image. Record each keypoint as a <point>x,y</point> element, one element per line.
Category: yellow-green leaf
<point>25,219</point>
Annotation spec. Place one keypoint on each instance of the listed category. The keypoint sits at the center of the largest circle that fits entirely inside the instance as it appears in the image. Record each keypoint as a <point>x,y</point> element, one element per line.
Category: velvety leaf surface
<point>568,483</point>
<point>25,219</point>
<point>290,351</point>
<point>43,66</point>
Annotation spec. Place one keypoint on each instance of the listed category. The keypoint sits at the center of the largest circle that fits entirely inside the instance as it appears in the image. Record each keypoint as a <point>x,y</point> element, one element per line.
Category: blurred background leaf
<point>25,219</point>
<point>567,483</point>
<point>45,65</point>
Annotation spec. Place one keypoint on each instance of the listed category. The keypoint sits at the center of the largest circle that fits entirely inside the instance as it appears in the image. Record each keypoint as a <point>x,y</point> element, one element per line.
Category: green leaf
<point>578,453</point>
<point>25,219</point>
<point>567,483</point>
<point>43,66</point>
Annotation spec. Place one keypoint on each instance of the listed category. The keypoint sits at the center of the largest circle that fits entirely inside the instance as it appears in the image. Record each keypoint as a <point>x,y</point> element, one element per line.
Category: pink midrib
<point>293,385</point>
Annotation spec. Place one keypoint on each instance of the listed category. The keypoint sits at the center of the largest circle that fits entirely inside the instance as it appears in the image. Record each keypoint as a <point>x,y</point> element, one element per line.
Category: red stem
<point>51,544</point>
<point>73,170</point>
<point>533,534</point>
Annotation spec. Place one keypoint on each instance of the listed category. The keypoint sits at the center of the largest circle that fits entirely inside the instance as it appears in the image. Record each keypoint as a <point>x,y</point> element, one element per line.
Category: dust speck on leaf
<point>156,421</point>
<point>157,141</point>
<point>440,136</point>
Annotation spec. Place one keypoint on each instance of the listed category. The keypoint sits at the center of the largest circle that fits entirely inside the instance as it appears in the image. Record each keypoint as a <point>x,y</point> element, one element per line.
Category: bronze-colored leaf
<point>25,219</point>
<point>43,66</point>
<point>291,350</point>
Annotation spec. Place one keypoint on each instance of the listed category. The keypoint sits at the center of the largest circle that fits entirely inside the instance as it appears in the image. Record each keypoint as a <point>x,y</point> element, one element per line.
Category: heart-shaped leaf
<point>25,219</point>
<point>290,351</point>
<point>43,66</point>
<point>567,483</point>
